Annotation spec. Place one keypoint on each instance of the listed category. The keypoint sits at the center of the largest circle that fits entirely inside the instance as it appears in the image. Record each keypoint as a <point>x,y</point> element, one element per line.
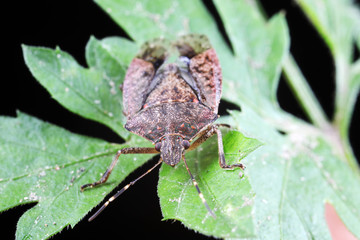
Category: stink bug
<point>171,95</point>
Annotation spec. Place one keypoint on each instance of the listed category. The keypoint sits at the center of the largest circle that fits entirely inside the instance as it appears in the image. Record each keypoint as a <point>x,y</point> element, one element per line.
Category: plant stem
<point>337,132</point>
<point>346,94</point>
<point>304,94</point>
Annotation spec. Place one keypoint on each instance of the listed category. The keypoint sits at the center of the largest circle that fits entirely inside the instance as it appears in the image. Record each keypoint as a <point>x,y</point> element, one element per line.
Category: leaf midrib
<point>60,155</point>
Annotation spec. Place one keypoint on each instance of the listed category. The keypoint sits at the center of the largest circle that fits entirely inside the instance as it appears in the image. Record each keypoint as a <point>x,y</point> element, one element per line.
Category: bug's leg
<point>206,134</point>
<point>222,161</point>
<point>122,190</point>
<point>105,176</point>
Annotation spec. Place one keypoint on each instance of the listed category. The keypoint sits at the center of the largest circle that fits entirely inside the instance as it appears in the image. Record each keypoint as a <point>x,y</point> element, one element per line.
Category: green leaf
<point>93,93</point>
<point>228,195</point>
<point>258,55</point>
<point>284,161</point>
<point>292,176</point>
<point>288,179</point>
<point>338,22</point>
<point>45,164</point>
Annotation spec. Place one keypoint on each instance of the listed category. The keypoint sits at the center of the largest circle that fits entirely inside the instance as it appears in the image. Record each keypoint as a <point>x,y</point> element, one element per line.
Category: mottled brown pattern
<point>172,92</point>
<point>136,83</point>
<point>185,119</point>
<point>205,69</point>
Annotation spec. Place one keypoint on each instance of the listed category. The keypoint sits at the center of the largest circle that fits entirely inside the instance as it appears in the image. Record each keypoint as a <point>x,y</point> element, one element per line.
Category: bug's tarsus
<point>209,132</point>
<point>121,191</point>
<point>198,190</point>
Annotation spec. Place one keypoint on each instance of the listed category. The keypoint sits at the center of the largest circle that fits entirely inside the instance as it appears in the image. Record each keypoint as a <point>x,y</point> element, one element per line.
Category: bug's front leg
<point>206,134</point>
<point>105,176</point>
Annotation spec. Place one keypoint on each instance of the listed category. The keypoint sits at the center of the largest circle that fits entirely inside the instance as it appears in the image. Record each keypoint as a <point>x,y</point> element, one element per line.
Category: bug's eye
<point>186,144</point>
<point>158,146</point>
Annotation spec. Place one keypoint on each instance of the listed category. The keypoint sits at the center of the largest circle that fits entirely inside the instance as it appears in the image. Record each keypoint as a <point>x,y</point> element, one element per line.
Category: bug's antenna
<point>198,190</point>
<point>121,191</point>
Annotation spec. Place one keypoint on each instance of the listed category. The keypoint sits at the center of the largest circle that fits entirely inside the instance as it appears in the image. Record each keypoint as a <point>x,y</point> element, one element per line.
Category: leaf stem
<point>346,94</point>
<point>304,94</point>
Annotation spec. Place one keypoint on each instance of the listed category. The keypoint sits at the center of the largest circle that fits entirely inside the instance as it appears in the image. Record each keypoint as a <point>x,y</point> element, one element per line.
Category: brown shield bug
<point>171,95</point>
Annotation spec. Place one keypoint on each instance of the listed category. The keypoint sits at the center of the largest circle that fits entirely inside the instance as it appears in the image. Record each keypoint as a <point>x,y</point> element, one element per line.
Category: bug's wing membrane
<point>137,79</point>
<point>141,73</point>
<point>206,71</point>
<point>204,68</point>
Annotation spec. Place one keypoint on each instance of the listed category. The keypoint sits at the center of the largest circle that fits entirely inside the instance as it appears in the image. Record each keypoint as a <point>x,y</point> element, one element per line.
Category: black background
<point>69,24</point>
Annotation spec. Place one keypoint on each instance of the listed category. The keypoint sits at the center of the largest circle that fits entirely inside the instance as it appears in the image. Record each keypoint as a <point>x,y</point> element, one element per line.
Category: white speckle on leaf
<point>113,91</point>
<point>287,153</point>
<point>113,88</point>
<point>138,7</point>
<point>42,174</point>
<point>174,200</point>
<point>186,26</point>
<point>247,201</point>
<point>108,10</point>
<point>97,101</point>
<point>110,114</point>
<point>264,201</point>
<point>255,64</point>
<point>66,89</point>
<point>332,182</point>
<point>302,179</point>
<point>318,160</point>
<point>58,55</point>
<point>229,209</point>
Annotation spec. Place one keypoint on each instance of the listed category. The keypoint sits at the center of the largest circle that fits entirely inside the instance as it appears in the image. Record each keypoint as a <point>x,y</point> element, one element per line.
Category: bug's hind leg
<point>205,135</point>
<point>105,176</point>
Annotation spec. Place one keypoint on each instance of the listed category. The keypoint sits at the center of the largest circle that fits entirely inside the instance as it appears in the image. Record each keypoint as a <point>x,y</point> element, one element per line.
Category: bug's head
<point>172,148</point>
